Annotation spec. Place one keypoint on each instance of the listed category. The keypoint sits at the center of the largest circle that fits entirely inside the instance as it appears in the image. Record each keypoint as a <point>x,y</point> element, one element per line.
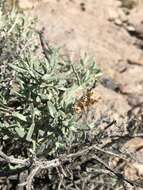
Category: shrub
<point>37,93</point>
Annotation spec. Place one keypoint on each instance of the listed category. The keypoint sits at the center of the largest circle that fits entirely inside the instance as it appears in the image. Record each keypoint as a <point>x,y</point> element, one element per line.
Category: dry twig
<point>39,165</point>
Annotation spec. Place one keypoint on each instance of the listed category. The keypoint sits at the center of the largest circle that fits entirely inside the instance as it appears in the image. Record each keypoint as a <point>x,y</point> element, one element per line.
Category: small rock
<point>109,83</point>
<point>130,28</point>
<point>118,22</point>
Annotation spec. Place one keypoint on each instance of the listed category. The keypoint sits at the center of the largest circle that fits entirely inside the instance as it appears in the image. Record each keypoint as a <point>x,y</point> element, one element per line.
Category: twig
<point>25,164</point>
<point>12,160</point>
<point>31,176</point>
<point>39,165</point>
<point>45,47</point>
<point>76,74</point>
<point>120,176</point>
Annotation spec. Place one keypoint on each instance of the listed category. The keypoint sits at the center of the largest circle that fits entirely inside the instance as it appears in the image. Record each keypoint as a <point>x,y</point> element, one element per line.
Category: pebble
<point>130,28</point>
<point>118,22</point>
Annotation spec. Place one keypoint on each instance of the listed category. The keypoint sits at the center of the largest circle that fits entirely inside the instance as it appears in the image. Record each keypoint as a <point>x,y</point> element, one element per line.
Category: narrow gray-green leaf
<point>20,131</point>
<point>16,68</point>
<point>52,109</point>
<point>19,116</point>
<point>30,132</point>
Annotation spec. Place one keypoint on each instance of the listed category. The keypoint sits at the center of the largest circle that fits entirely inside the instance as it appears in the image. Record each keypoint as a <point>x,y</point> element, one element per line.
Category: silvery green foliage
<point>37,94</point>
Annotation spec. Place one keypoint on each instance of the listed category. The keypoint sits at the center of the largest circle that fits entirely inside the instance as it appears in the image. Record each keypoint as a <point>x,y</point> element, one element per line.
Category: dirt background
<point>112,32</point>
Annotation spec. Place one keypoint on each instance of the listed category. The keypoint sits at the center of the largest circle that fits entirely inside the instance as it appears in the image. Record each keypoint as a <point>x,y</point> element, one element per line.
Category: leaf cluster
<point>37,94</point>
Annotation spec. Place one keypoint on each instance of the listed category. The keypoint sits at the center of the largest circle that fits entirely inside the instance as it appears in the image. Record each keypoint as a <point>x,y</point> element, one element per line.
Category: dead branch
<point>39,165</point>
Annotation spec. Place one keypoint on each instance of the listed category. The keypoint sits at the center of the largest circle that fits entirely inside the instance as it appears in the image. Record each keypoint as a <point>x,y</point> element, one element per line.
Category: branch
<point>38,164</point>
